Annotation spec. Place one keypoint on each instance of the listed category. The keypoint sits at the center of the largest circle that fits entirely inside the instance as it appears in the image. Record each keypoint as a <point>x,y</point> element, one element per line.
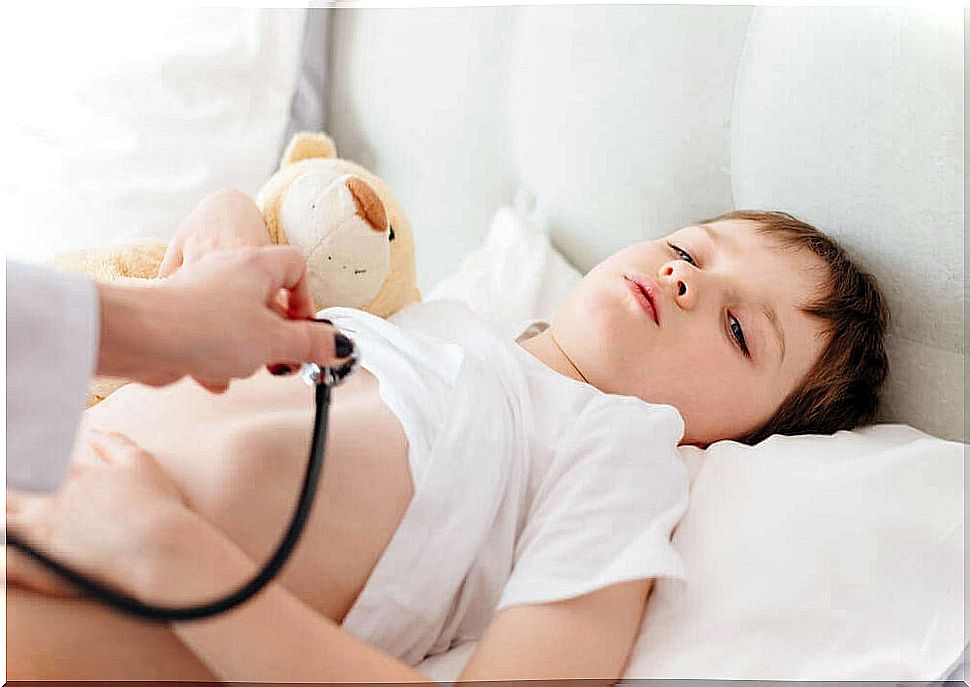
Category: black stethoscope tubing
<point>132,606</point>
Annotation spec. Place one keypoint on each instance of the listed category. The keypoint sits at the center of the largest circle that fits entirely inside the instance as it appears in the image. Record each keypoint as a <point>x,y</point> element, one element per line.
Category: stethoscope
<point>322,379</point>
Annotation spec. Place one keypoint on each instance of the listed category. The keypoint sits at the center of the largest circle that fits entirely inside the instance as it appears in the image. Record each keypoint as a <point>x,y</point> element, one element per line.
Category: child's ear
<point>307,144</point>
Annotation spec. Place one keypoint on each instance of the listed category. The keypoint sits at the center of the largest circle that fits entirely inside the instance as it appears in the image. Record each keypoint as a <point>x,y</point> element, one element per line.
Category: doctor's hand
<point>219,318</point>
<point>117,518</point>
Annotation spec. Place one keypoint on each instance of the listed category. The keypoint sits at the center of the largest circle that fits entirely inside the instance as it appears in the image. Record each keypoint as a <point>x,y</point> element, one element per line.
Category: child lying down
<point>521,493</point>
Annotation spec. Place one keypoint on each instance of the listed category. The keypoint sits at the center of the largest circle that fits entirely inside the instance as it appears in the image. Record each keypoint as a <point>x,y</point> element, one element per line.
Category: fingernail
<point>343,345</point>
<point>280,370</point>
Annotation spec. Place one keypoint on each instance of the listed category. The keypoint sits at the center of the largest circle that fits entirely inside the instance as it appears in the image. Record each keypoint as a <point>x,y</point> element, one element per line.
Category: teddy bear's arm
<point>223,220</point>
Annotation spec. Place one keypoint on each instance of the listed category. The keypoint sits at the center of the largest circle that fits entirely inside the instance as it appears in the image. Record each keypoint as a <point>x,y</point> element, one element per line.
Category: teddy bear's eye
<point>391,237</point>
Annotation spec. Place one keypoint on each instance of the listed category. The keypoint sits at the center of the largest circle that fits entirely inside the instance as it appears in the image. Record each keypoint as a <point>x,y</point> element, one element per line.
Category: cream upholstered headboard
<point>626,122</point>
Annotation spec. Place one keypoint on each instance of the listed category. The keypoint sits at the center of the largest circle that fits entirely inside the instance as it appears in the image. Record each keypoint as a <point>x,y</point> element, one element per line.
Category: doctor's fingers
<point>101,447</point>
<point>216,387</point>
<point>26,517</point>
<point>24,507</point>
<point>283,267</point>
<point>294,305</point>
<point>310,341</point>
<point>21,570</point>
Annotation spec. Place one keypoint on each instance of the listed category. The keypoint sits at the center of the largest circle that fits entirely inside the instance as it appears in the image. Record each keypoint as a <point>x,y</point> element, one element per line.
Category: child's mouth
<point>642,293</point>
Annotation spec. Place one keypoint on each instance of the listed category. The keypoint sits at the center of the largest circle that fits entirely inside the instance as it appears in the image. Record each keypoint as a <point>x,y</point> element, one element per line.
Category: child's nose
<point>678,283</point>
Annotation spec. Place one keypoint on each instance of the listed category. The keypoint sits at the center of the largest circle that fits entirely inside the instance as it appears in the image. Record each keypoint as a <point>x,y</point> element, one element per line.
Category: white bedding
<point>808,558</point>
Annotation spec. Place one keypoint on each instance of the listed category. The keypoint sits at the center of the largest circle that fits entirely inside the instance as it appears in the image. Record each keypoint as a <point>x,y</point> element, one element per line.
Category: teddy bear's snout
<point>369,206</point>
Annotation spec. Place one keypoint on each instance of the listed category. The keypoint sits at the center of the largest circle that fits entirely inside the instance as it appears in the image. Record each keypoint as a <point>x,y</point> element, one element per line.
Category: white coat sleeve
<point>53,332</point>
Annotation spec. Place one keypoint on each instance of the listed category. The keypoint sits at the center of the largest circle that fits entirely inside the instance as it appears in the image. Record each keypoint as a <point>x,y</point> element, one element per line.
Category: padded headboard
<point>624,123</point>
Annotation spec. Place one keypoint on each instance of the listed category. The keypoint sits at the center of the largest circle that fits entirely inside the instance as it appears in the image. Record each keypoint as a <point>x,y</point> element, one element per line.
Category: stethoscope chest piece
<point>314,375</point>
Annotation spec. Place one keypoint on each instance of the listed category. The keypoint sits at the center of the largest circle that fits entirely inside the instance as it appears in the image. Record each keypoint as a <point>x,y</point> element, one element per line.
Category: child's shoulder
<point>627,420</point>
<point>448,319</point>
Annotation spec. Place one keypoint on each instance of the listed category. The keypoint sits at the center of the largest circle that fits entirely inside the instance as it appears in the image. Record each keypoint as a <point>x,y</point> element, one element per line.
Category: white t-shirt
<point>529,486</point>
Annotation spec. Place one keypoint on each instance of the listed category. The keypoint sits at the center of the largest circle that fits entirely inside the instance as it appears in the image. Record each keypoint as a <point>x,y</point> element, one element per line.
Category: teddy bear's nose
<point>369,206</point>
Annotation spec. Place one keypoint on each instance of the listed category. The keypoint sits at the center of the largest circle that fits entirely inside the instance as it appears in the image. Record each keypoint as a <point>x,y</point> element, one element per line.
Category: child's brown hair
<point>841,390</point>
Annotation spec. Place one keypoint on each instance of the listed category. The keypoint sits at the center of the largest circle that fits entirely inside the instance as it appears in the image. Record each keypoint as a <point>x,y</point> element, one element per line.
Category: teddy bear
<point>352,230</point>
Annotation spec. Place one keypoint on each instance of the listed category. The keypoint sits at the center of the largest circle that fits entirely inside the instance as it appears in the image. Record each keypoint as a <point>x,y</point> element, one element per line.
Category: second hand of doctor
<point>217,319</point>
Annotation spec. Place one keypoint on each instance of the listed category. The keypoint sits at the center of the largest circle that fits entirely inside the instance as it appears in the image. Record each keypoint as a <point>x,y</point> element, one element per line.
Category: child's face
<point>693,359</point>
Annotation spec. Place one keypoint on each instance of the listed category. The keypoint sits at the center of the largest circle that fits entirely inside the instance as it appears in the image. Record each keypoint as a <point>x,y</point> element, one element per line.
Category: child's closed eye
<point>684,255</point>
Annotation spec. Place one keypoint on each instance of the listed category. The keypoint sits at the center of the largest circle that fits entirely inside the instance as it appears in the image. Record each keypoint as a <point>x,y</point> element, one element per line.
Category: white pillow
<point>126,117</point>
<point>515,276</point>
<point>814,557</point>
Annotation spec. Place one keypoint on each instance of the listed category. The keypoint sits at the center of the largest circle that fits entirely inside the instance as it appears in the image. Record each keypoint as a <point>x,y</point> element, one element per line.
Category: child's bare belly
<point>240,458</point>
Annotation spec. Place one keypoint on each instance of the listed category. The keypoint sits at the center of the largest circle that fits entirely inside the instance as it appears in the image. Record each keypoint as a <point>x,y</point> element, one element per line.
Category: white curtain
<point>126,117</point>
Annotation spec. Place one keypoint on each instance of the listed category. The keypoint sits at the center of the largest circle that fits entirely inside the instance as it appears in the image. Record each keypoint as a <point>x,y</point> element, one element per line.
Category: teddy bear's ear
<point>306,144</point>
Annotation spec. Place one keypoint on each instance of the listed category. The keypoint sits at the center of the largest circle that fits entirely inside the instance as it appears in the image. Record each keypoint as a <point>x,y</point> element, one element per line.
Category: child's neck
<point>547,350</point>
